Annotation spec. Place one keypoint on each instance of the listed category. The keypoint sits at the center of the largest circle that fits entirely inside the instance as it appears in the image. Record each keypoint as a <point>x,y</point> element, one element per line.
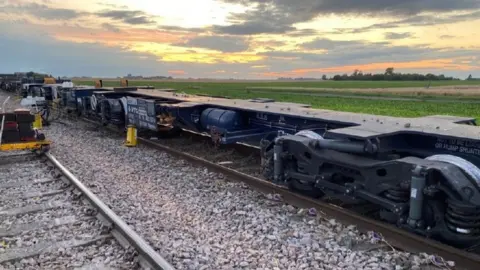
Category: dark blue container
<point>221,119</point>
<point>75,96</point>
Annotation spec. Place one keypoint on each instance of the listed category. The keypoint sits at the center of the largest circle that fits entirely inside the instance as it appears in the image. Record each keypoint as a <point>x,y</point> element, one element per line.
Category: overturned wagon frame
<point>421,174</point>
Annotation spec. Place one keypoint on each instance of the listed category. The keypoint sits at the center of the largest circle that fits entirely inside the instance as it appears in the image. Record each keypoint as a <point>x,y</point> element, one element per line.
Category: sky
<point>240,39</point>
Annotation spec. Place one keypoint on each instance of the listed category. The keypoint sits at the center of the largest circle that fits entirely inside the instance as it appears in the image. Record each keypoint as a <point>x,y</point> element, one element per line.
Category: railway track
<point>243,164</point>
<point>50,220</point>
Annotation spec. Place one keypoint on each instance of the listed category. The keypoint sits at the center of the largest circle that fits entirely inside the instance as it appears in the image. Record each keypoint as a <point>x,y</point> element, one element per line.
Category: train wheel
<point>307,189</point>
<point>462,218</point>
<point>309,134</point>
<point>466,166</point>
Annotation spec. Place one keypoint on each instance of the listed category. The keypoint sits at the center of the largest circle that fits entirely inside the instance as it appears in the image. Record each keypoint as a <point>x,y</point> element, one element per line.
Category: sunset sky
<point>258,39</point>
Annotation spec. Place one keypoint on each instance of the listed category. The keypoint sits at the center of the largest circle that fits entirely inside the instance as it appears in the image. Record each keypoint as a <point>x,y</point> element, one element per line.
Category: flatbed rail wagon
<point>421,174</point>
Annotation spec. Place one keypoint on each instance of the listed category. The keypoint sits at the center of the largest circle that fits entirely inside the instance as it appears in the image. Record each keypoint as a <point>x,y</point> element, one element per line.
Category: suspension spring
<point>397,194</point>
<point>462,218</point>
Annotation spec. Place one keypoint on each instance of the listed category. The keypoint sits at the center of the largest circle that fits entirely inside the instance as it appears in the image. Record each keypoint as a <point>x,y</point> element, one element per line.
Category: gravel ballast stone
<point>197,220</point>
<point>65,237</point>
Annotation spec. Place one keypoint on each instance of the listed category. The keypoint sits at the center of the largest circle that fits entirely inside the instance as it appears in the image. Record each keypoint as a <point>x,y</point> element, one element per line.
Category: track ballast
<point>242,164</point>
<point>49,219</point>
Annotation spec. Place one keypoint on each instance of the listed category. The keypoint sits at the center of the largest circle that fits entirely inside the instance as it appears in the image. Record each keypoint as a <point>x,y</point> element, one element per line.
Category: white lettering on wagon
<point>460,146</point>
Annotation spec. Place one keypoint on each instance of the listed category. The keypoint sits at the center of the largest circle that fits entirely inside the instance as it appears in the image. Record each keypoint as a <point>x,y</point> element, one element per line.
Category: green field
<point>407,89</point>
<point>306,84</point>
<point>380,107</point>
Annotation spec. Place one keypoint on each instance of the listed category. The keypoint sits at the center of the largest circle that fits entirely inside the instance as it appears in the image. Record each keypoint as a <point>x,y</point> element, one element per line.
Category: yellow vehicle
<point>49,80</point>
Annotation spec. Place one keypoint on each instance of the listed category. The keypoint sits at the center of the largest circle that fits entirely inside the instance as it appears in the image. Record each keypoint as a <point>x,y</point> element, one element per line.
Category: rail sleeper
<point>47,188</point>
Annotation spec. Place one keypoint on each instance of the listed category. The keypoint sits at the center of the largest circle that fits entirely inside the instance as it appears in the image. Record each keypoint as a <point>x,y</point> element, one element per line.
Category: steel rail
<point>154,260</point>
<point>395,236</point>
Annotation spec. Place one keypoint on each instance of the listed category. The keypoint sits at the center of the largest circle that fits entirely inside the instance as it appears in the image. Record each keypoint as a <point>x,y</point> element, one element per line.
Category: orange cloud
<point>153,41</point>
<point>177,72</point>
<point>132,35</point>
<point>260,66</point>
<point>210,58</point>
<point>445,64</point>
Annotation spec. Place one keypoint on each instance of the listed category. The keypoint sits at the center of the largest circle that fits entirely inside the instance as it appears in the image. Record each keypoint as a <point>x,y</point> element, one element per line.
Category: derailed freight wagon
<point>421,174</point>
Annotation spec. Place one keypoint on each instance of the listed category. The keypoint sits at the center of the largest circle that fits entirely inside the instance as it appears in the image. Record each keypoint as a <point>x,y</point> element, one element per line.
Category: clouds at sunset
<point>239,38</point>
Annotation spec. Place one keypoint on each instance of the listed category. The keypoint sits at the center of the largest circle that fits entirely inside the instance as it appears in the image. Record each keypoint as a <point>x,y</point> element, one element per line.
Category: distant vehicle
<point>9,82</point>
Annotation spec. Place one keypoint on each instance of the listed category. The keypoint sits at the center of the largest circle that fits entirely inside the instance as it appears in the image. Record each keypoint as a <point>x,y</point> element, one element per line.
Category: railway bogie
<point>421,174</point>
<point>437,196</point>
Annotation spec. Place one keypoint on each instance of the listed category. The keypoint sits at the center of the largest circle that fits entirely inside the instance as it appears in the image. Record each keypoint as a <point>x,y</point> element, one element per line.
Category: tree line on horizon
<point>390,75</point>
